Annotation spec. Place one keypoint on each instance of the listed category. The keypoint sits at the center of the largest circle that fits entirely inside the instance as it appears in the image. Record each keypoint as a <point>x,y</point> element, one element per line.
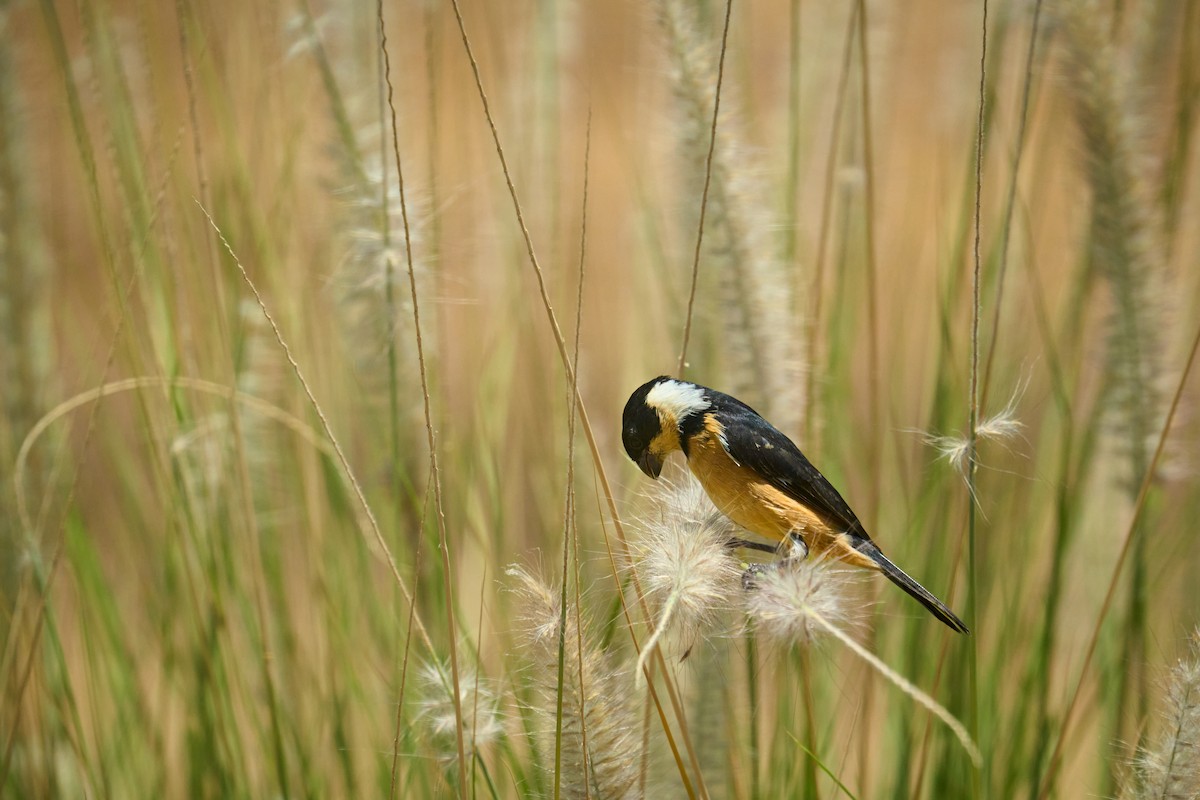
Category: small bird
<point>756,476</point>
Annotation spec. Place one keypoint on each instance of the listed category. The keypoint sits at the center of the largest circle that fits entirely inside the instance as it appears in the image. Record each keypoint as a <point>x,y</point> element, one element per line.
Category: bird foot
<point>796,550</point>
<point>752,573</point>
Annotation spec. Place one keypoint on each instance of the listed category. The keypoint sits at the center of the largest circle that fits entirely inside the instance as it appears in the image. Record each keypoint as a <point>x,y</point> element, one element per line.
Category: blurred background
<point>192,598</point>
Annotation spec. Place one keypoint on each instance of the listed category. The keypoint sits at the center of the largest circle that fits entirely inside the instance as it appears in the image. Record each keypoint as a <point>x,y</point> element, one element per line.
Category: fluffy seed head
<point>1125,247</point>
<point>539,608</point>
<point>685,565</point>
<point>370,280</point>
<point>1001,427</point>
<point>954,449</point>
<point>1171,766</point>
<point>601,747</point>
<point>787,600</point>
<point>481,718</point>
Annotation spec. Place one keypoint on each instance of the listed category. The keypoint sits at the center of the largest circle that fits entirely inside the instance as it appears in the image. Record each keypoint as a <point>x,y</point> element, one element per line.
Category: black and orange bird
<point>756,476</point>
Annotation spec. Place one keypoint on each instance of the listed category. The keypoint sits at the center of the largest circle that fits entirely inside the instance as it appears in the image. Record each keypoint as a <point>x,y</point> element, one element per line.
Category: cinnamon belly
<point>754,504</point>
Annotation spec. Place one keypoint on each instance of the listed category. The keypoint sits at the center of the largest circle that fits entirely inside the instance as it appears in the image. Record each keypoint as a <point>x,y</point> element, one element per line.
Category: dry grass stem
<point>708,164</point>
<point>901,683</point>
<point>431,436</point>
<point>328,430</point>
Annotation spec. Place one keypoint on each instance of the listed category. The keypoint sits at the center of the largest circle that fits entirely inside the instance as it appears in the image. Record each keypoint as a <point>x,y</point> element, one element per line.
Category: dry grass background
<point>193,605</point>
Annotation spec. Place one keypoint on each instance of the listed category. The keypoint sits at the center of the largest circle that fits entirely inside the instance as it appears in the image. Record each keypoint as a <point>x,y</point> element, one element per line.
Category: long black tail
<point>919,592</point>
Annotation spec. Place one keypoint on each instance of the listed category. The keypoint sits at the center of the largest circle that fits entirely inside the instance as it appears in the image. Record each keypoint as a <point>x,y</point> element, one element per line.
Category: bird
<point>756,476</point>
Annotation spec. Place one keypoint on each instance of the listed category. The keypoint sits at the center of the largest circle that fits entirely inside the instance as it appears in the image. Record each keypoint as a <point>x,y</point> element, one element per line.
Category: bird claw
<point>797,550</point>
<point>751,575</point>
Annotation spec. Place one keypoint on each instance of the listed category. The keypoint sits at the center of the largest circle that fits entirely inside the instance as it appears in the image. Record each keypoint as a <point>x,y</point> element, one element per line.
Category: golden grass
<point>187,602</point>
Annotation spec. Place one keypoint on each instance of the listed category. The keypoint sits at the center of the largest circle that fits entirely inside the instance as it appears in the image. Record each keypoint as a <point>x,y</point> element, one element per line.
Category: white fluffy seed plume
<point>787,600</point>
<point>601,743</point>
<point>480,710</point>
<point>796,602</point>
<point>686,566</point>
<point>1001,427</point>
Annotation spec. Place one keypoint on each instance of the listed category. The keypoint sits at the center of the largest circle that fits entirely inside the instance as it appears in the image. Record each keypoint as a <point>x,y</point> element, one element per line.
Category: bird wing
<point>754,443</point>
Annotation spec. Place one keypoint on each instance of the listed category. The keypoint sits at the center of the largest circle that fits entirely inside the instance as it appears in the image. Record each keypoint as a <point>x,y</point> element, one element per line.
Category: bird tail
<point>918,592</point>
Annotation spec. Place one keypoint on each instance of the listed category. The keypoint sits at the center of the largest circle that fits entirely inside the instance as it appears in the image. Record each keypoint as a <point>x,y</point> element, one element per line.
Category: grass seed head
<point>1124,241</point>
<point>748,290</point>
<point>953,449</point>
<point>787,600</point>
<point>685,564</point>
<point>1170,768</point>
<point>480,710</point>
<point>601,745</point>
<point>1001,427</point>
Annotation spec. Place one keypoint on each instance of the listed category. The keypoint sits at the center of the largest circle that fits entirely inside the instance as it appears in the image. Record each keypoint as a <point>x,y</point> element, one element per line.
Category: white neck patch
<point>676,399</point>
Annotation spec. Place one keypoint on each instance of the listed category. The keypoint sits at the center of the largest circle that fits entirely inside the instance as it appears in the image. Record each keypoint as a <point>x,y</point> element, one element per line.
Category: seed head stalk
<point>439,508</point>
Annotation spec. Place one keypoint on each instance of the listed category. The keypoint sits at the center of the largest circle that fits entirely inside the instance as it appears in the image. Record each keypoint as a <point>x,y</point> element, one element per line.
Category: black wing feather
<point>753,442</point>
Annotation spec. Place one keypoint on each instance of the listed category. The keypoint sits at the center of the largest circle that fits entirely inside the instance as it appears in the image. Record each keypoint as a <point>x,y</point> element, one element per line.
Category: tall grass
<point>219,580</point>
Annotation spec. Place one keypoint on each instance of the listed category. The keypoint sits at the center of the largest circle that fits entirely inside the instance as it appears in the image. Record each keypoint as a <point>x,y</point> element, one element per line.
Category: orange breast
<point>753,503</point>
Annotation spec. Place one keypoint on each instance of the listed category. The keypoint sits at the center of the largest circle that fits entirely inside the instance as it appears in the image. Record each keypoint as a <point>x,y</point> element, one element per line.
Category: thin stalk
<point>875,403</point>
<point>431,58</point>
<point>389,276</point>
<point>793,153</point>
<point>568,512</point>
<point>869,230</point>
<point>712,146</point>
<point>818,292</point>
<point>973,602</point>
<point>325,427</point>
<point>431,436</point>
<point>583,736</point>
<point>477,758</point>
<point>189,82</point>
<point>811,788</point>
<point>753,700</point>
<point>1010,202</point>
<point>902,683</point>
<point>412,610</point>
<point>1175,166</point>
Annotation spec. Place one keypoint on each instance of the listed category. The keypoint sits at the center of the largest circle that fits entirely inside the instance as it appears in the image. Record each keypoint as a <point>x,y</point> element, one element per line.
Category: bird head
<point>650,426</point>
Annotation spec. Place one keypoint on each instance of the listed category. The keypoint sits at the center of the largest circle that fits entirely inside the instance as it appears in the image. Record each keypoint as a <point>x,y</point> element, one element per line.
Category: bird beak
<point>650,464</point>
